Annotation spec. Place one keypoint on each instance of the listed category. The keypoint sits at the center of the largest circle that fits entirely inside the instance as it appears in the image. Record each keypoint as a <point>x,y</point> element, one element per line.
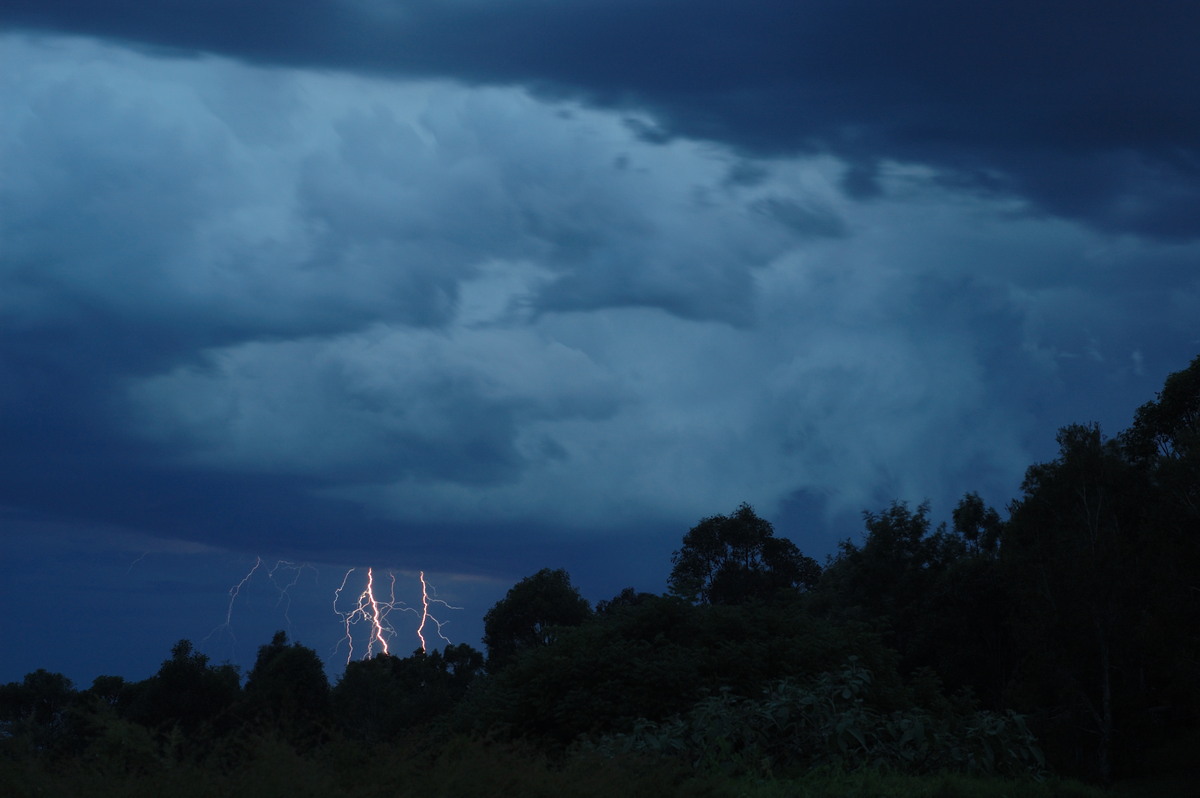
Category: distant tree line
<point>1064,637</point>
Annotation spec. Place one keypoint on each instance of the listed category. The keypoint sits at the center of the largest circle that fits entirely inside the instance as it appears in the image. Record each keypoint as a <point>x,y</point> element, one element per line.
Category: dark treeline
<point>1062,639</point>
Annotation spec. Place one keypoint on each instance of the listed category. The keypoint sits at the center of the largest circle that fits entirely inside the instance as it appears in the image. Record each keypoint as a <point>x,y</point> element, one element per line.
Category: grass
<point>465,767</point>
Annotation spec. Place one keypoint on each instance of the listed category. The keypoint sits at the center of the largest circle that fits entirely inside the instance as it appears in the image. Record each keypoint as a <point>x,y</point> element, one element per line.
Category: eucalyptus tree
<point>730,559</point>
<point>530,615</point>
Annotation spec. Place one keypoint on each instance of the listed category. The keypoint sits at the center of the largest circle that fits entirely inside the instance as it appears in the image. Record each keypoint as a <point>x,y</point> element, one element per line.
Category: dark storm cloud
<point>692,254</point>
<point>204,303</point>
<point>1092,111</point>
<point>806,219</point>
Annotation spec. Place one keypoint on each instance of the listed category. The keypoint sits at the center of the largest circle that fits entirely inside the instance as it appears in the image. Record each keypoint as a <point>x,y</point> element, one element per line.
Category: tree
<point>36,710</point>
<point>529,615</point>
<point>111,691</point>
<point>729,559</point>
<point>1076,555</point>
<point>937,595</point>
<point>624,600</point>
<point>379,698</point>
<point>656,658</point>
<point>977,524</point>
<point>1165,439</point>
<point>287,689</point>
<point>186,692</point>
<point>884,581</point>
<point>1164,443</point>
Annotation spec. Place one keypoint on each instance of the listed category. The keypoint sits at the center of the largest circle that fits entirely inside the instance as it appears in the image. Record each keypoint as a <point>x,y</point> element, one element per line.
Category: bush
<point>832,721</point>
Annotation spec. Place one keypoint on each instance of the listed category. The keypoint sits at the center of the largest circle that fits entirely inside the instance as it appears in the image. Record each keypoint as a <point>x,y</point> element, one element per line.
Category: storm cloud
<point>487,287</point>
<point>1092,114</point>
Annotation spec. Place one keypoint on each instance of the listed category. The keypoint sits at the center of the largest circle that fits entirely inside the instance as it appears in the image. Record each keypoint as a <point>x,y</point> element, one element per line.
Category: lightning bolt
<point>141,557</point>
<point>285,597</point>
<point>370,608</point>
<point>426,589</point>
<point>379,610</point>
<point>233,594</point>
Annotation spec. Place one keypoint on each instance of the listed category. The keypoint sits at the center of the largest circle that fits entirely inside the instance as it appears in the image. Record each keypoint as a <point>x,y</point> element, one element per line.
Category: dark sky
<point>478,287</point>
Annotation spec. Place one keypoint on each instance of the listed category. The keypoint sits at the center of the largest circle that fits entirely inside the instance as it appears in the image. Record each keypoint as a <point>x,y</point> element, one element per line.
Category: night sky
<point>478,287</point>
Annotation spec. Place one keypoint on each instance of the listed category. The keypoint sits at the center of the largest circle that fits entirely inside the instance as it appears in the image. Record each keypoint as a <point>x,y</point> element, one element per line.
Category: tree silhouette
<point>379,698</point>
<point>736,558</point>
<point>186,692</point>
<point>528,615</point>
<point>1075,555</point>
<point>36,710</point>
<point>287,690</point>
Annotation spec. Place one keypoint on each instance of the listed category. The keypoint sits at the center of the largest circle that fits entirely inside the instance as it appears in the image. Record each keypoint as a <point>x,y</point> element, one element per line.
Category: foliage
<point>897,671</point>
<point>885,578</point>
<point>531,614</point>
<point>380,698</point>
<point>287,690</point>
<point>1164,445</point>
<point>186,692</point>
<point>938,596</point>
<point>977,525</point>
<point>834,720</point>
<point>657,658</point>
<point>627,598</point>
<point>463,767</point>
<point>1079,554</point>
<point>1165,438</point>
<point>35,713</point>
<point>729,559</point>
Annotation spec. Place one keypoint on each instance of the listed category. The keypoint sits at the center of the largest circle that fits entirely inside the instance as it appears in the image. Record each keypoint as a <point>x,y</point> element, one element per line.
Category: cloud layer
<point>476,310</point>
<point>486,287</point>
<point>1090,114</point>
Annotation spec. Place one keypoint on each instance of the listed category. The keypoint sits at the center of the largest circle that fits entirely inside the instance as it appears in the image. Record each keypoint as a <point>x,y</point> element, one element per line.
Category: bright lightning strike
<point>373,610</point>
<point>369,609</point>
<point>425,616</point>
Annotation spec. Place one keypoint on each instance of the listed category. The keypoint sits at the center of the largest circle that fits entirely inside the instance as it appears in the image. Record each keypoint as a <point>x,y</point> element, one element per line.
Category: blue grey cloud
<point>285,287</point>
<point>991,93</point>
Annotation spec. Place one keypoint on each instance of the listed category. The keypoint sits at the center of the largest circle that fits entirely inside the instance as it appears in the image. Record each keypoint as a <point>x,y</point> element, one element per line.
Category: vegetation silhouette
<point>985,656</point>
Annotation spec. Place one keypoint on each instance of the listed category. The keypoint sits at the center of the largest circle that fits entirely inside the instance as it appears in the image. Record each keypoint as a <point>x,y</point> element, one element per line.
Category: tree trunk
<point>1104,751</point>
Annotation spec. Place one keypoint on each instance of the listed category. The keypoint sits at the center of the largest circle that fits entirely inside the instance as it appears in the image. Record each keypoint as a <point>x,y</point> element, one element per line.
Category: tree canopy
<point>287,689</point>
<point>729,559</point>
<point>1071,626</point>
<point>530,615</point>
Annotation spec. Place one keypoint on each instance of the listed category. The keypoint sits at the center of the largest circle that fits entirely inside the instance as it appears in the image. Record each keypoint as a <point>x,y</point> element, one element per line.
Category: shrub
<point>832,721</point>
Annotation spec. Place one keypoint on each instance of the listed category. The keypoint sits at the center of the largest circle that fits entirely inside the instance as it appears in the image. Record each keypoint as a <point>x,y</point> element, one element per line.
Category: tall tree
<point>286,690</point>
<point>1165,439</point>
<point>884,579</point>
<point>378,699</point>
<point>978,525</point>
<point>35,711</point>
<point>730,559</point>
<point>936,595</point>
<point>1077,556</point>
<point>1164,444</point>
<point>186,692</point>
<point>529,615</point>
<point>968,638</point>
